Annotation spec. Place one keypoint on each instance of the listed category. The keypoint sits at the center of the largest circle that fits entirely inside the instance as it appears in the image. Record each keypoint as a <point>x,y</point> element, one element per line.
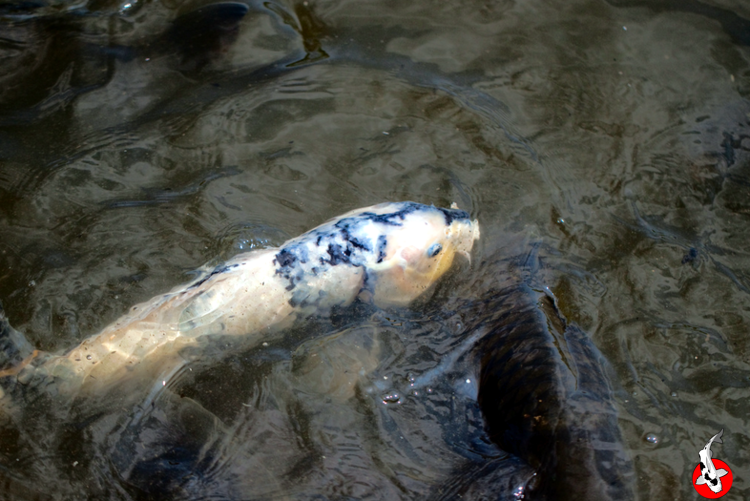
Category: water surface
<point>140,141</point>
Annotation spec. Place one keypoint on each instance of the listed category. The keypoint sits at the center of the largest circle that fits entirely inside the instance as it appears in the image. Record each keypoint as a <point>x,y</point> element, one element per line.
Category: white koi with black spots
<point>390,253</point>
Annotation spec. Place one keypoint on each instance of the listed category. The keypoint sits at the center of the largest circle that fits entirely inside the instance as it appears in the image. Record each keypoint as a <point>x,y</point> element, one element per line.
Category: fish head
<point>414,245</point>
<point>392,252</point>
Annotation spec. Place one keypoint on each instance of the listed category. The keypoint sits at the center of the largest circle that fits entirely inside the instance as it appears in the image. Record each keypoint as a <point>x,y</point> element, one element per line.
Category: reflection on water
<point>142,140</point>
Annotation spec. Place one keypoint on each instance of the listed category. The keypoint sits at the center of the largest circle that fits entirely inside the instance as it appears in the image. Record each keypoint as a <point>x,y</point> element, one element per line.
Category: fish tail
<point>14,348</point>
<point>717,438</point>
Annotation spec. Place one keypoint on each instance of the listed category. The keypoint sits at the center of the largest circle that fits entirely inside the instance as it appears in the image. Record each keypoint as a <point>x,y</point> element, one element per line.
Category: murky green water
<point>614,135</point>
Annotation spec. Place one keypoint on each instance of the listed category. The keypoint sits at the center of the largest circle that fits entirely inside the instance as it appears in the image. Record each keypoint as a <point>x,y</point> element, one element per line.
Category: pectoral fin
<point>721,472</point>
<point>14,347</point>
<point>700,480</point>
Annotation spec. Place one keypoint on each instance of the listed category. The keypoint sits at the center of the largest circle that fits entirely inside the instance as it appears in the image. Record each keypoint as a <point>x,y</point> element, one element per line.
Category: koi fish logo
<point>708,475</point>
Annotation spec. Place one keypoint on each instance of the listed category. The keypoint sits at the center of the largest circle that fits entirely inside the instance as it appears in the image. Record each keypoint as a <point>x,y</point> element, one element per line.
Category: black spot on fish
<point>346,235</point>
<point>434,250</point>
<point>703,467</point>
<point>338,254</point>
<point>285,258</point>
<point>358,243</point>
<point>219,269</point>
<point>454,215</point>
<point>390,219</point>
<point>224,269</point>
<point>714,481</point>
<point>382,243</point>
<point>289,260</point>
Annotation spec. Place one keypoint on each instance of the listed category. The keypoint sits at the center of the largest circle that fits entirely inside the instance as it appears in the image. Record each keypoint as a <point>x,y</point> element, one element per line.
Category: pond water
<point>142,140</point>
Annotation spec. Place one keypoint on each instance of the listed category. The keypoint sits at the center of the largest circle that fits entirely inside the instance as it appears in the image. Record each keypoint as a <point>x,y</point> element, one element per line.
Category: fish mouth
<point>466,243</point>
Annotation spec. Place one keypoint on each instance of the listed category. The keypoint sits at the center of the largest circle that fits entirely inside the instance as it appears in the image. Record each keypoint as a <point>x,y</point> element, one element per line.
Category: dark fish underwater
<point>544,394</point>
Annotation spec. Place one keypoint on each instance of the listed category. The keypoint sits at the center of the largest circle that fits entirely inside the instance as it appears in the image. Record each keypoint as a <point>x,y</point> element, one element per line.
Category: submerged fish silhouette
<point>545,394</point>
<point>197,36</point>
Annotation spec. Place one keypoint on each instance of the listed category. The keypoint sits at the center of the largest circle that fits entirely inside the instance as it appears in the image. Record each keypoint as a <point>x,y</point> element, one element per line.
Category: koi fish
<point>709,474</point>
<point>546,397</point>
<point>389,254</point>
<point>545,392</point>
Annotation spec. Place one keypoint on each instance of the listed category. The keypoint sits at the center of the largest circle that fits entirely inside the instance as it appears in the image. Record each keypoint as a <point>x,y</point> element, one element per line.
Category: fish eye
<point>434,250</point>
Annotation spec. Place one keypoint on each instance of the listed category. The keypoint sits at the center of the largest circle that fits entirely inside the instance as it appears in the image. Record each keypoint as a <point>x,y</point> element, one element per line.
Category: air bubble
<point>652,438</point>
<point>89,357</point>
<point>131,7</point>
